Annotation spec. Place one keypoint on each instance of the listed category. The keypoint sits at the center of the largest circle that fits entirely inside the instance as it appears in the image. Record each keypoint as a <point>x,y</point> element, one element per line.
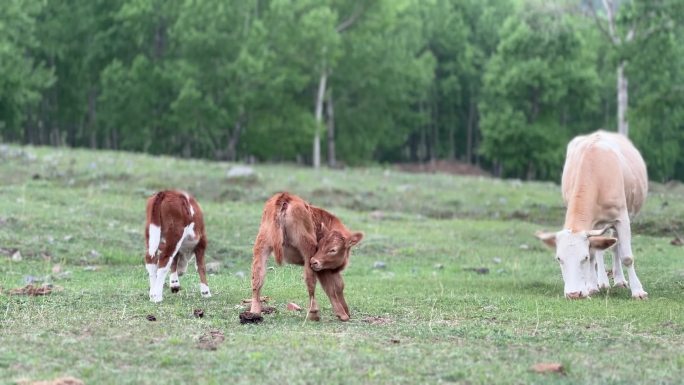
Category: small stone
<point>438,266</point>
<point>239,172</point>
<point>240,274</point>
<point>91,268</point>
<point>16,256</point>
<point>497,260</point>
<point>379,265</point>
<point>94,254</point>
<point>524,247</point>
<point>213,267</point>
<point>56,268</point>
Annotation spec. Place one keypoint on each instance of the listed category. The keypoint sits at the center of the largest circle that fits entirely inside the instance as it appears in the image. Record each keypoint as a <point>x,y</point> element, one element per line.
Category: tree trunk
<point>231,151</point>
<point>92,115</point>
<point>319,120</point>
<point>471,121</point>
<point>330,111</point>
<point>622,94</point>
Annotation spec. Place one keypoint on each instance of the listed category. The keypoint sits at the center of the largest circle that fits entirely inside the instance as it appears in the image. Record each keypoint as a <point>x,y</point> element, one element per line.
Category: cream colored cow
<point>604,185</point>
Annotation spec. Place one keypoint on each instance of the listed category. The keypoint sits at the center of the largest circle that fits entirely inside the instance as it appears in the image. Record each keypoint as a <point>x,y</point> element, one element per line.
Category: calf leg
<point>260,255</point>
<point>151,267</point>
<point>174,281</point>
<point>623,253</point>
<point>174,238</point>
<point>310,281</point>
<point>202,268</point>
<point>333,285</point>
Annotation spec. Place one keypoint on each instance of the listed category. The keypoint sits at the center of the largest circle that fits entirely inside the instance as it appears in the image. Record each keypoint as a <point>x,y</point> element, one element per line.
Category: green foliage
<point>503,84</point>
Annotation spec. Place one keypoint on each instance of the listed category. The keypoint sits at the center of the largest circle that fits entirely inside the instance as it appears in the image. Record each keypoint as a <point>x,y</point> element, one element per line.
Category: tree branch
<point>608,6</point>
<point>600,26</point>
<point>358,11</point>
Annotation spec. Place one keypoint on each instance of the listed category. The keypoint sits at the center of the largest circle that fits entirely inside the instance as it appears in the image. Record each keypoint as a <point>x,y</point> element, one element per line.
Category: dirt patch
<point>56,381</point>
<point>151,317</point>
<point>198,313</point>
<point>35,290</point>
<point>268,310</point>
<point>211,340</point>
<point>443,167</point>
<point>374,320</point>
<point>548,367</point>
<point>247,317</point>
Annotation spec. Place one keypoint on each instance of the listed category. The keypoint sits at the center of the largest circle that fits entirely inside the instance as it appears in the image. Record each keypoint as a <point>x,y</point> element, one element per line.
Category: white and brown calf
<point>173,232</point>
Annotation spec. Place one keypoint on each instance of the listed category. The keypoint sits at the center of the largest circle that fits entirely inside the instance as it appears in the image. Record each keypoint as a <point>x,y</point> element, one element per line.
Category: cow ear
<point>354,239</point>
<point>324,228</point>
<point>548,238</point>
<point>602,243</point>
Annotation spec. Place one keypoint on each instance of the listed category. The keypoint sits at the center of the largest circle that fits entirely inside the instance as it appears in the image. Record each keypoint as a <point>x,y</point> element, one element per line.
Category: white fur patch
<point>155,238</point>
<point>187,197</point>
<point>152,272</point>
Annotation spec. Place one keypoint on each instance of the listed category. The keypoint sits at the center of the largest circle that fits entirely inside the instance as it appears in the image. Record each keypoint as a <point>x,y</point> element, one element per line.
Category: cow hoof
<point>155,298</point>
<point>313,316</point>
<point>205,294</point>
<point>640,294</point>
<point>604,286</point>
<point>247,317</point>
<point>621,284</point>
<point>175,289</point>
<point>343,318</point>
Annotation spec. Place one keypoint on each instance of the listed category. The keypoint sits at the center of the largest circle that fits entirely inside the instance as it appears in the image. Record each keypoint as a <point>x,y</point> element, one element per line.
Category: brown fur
<point>170,210</point>
<point>299,233</point>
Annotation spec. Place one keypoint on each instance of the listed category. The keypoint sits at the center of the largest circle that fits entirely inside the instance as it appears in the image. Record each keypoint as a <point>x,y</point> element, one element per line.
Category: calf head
<point>573,256</point>
<point>333,249</point>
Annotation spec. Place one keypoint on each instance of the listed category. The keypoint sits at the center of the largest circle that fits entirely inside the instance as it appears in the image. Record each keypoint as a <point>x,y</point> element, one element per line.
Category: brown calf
<point>173,232</point>
<point>304,235</point>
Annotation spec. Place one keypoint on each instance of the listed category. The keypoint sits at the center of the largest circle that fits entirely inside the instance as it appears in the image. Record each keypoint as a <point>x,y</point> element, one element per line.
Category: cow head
<point>333,249</point>
<point>573,251</point>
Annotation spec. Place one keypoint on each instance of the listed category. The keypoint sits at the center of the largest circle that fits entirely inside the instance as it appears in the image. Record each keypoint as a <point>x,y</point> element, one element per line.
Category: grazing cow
<point>173,232</point>
<point>304,235</point>
<point>604,185</point>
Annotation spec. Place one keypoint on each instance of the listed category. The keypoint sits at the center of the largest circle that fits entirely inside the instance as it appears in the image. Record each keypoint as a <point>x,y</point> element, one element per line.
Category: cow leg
<point>202,268</point>
<point>333,285</point>
<point>310,281</point>
<point>592,281</point>
<point>623,253</point>
<point>151,267</point>
<point>174,238</point>
<point>602,276</point>
<point>260,255</point>
<point>174,281</point>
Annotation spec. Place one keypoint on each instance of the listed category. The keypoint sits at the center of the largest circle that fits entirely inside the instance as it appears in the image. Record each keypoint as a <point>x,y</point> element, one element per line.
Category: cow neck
<point>582,203</point>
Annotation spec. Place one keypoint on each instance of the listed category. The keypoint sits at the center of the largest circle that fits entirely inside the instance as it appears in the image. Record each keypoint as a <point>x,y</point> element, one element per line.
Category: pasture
<point>448,286</point>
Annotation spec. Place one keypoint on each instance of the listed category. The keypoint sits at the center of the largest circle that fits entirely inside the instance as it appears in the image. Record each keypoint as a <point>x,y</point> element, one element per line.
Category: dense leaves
<point>500,83</point>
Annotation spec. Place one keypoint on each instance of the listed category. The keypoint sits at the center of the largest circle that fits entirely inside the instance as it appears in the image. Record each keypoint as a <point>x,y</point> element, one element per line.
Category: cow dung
<point>247,317</point>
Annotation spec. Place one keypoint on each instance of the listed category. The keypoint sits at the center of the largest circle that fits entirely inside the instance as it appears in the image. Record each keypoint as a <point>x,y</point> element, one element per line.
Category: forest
<point>500,84</point>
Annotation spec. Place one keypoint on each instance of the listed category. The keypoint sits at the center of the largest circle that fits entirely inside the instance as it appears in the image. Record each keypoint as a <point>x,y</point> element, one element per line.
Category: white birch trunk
<point>319,120</point>
<point>622,99</point>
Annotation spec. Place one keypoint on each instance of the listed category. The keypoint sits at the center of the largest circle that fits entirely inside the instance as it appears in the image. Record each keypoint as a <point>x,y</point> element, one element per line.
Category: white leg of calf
<point>592,280</point>
<point>622,250</point>
<point>174,282</point>
<point>156,293</point>
<point>152,272</point>
<point>601,274</point>
<point>204,290</point>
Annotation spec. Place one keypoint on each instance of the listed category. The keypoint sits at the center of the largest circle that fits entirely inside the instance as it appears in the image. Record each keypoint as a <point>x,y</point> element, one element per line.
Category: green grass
<point>442,323</point>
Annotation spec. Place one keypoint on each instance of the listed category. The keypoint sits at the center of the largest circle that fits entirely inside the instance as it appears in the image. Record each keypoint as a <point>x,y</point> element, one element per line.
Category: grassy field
<point>420,314</point>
